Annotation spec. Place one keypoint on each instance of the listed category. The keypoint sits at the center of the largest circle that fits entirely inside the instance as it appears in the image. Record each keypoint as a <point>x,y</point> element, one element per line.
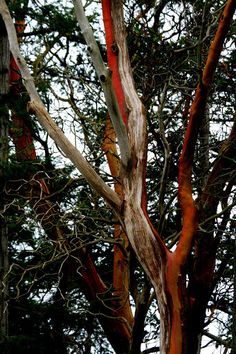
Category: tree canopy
<point>117,174</point>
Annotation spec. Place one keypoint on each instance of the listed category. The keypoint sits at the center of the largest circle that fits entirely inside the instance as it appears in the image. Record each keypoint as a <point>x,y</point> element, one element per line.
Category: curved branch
<point>196,115</point>
<point>166,148</point>
<point>217,339</point>
<point>36,106</point>
<point>223,170</point>
<point>146,242</point>
<point>106,82</point>
<point>113,59</point>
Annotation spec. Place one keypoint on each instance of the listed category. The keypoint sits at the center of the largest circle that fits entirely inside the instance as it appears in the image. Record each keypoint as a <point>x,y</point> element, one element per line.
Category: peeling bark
<point>121,249</point>
<point>181,308</point>
<point>36,106</point>
<point>113,54</point>
<point>115,317</point>
<point>144,239</point>
<point>112,92</point>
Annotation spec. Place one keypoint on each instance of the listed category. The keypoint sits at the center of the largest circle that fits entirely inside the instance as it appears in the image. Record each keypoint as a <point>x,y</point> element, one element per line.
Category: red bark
<point>121,249</point>
<point>112,56</point>
<point>176,262</point>
<point>143,237</point>
<point>116,319</point>
<point>196,114</point>
<point>166,270</point>
<point>202,278</point>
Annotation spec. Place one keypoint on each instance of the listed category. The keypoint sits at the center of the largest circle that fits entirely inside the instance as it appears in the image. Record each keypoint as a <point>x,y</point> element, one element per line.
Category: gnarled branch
<point>105,79</point>
<point>36,106</point>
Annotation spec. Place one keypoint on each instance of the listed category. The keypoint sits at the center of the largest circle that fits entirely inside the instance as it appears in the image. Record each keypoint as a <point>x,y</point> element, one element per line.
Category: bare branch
<point>196,115</point>
<point>36,106</point>
<point>166,147</point>
<point>216,339</point>
<point>106,83</point>
<point>151,350</point>
<point>222,172</point>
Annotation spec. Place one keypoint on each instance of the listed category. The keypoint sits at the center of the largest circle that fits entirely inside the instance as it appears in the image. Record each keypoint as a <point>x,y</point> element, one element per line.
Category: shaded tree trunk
<point>116,317</point>
<point>4,117</point>
<point>182,310</point>
<point>182,305</point>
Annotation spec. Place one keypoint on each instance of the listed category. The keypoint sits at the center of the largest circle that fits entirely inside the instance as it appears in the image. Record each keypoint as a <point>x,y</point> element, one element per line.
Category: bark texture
<point>115,317</point>
<point>182,304</point>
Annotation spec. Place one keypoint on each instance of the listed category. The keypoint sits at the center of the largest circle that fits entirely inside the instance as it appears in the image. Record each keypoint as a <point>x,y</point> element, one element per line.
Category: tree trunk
<point>181,306</point>
<point>4,117</point>
<point>115,318</point>
<point>166,270</point>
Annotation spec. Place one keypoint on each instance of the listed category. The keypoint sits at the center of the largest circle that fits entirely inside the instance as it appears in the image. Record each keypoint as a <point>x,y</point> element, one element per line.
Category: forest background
<point>130,246</point>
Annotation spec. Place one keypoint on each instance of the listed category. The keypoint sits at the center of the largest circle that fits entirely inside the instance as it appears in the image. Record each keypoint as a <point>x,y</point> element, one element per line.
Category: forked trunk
<point>181,309</point>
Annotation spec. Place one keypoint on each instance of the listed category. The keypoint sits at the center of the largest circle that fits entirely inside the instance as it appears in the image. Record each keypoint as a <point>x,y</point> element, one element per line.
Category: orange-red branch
<point>196,114</point>
<point>116,319</point>
<point>109,147</point>
<point>113,58</point>
<point>121,261</point>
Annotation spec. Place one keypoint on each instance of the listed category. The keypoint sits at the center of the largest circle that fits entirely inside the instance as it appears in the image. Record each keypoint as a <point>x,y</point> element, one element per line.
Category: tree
<point>184,268</point>
<point>4,89</point>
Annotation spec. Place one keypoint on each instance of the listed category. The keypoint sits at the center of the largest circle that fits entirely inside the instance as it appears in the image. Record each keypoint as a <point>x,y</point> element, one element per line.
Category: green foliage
<point>48,311</point>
